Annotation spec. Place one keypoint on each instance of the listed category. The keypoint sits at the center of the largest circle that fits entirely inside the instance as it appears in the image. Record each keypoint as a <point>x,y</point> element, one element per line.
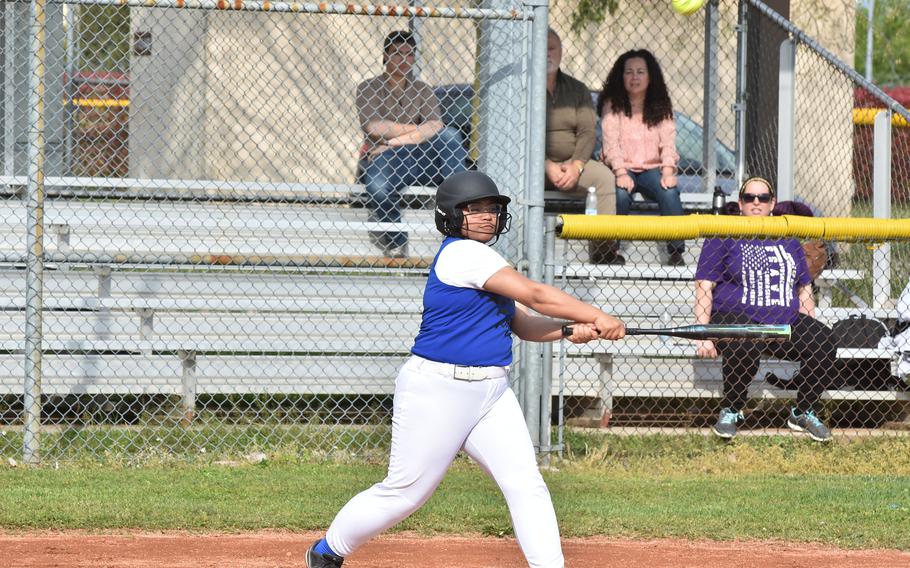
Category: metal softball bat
<point>767,332</point>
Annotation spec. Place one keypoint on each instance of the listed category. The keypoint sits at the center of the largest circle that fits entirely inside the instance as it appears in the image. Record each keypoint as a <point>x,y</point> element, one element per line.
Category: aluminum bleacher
<point>154,296</point>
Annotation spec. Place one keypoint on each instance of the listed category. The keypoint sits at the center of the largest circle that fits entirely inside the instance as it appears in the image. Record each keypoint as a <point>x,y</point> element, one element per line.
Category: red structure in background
<point>100,109</point>
<point>900,149</point>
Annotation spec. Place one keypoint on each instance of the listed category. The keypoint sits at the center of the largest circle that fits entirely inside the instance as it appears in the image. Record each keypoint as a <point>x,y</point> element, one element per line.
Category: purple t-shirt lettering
<point>756,278</point>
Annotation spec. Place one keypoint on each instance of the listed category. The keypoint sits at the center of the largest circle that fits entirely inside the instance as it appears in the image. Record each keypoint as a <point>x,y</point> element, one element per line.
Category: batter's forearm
<point>537,328</point>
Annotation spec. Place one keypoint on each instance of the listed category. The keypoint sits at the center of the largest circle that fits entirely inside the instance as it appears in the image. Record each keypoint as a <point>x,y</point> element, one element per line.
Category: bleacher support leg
<point>188,399</point>
<point>604,407</point>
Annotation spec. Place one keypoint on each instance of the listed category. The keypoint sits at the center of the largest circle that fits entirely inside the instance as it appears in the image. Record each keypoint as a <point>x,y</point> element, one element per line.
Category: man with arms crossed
<point>405,142</point>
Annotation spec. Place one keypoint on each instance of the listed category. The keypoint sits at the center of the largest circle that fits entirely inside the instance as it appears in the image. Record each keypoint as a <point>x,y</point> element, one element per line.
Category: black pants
<point>811,343</point>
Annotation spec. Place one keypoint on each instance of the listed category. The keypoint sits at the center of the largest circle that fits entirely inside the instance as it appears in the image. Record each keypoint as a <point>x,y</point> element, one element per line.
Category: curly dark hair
<point>613,93</point>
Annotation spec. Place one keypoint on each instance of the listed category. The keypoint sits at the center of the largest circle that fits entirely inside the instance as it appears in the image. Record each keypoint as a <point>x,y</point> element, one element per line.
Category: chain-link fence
<point>236,228</point>
<point>236,236</point>
<point>785,113</point>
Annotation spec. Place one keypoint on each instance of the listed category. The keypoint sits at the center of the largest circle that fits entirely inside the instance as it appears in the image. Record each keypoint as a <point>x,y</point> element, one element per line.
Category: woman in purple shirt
<point>742,281</point>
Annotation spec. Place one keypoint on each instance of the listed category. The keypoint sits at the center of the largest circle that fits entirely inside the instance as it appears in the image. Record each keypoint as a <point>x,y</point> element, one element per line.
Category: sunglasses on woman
<point>761,197</point>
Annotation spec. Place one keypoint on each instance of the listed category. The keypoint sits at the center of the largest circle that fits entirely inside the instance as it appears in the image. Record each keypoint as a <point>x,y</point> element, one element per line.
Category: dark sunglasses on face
<point>761,197</point>
<point>494,209</point>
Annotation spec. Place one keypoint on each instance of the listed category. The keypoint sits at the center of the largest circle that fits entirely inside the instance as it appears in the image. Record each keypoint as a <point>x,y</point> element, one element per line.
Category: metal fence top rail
<point>311,8</point>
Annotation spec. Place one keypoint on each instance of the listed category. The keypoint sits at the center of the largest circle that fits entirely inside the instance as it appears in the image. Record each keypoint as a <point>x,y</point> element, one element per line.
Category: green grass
<point>208,439</point>
<point>853,494</point>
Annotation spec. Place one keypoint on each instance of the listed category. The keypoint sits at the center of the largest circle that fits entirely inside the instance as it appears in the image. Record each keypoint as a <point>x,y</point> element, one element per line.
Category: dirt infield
<point>285,550</point>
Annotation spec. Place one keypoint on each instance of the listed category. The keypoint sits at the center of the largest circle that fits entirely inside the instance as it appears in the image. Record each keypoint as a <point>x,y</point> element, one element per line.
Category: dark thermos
<point>719,201</point>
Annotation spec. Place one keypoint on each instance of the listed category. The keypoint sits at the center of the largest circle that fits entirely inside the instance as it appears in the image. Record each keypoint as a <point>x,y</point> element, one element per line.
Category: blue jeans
<point>427,163</point>
<point>647,183</point>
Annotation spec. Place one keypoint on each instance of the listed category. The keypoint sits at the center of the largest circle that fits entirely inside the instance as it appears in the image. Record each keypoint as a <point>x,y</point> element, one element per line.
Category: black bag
<point>860,332</point>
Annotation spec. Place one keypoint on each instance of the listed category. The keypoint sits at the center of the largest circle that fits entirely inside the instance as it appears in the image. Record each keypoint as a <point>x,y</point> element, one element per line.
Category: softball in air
<point>688,7</point>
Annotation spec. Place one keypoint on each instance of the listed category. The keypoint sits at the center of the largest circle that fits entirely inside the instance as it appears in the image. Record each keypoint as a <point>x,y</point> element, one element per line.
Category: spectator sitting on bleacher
<point>406,142</point>
<point>571,127</point>
<point>746,281</point>
<point>639,136</point>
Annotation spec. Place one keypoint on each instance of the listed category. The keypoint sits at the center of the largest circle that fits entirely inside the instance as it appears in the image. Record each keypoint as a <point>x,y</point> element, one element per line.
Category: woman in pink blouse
<point>640,137</point>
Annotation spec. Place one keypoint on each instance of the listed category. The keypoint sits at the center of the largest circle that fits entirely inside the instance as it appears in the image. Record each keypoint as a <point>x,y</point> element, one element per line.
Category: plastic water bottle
<point>719,201</point>
<point>591,201</point>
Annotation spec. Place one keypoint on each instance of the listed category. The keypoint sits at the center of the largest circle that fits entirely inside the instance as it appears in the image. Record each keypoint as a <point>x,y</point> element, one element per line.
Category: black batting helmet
<point>460,189</point>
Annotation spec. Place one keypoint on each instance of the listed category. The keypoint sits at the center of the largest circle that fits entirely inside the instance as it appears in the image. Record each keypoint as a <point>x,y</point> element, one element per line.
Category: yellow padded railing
<point>609,227</point>
<point>866,117</point>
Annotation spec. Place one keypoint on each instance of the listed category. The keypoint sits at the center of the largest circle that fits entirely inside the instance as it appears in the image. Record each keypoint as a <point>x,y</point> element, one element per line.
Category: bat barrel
<point>766,332</point>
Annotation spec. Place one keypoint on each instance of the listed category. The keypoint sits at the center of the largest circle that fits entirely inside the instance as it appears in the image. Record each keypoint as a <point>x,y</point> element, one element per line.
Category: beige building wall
<point>823,169</point>
<point>270,97</point>
<point>168,97</point>
<point>266,97</point>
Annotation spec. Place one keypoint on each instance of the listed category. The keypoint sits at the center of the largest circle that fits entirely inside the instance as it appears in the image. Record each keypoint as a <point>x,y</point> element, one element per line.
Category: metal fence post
<point>188,386</point>
<point>71,62</point>
<point>881,207</point>
<point>35,241</point>
<point>739,107</point>
<point>709,134</point>
<point>501,81</point>
<point>10,27</point>
<point>546,392</point>
<point>786,128</point>
<point>534,245</point>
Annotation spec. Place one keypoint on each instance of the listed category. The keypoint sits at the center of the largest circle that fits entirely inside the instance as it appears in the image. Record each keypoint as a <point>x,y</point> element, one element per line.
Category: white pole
<point>870,4</point>
<point>786,120</point>
<point>881,207</point>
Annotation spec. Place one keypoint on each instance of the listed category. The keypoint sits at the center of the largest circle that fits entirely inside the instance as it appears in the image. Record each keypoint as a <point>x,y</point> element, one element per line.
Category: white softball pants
<point>435,416</point>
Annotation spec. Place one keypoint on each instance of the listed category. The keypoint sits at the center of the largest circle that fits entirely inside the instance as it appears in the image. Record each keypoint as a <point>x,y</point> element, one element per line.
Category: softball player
<point>453,392</point>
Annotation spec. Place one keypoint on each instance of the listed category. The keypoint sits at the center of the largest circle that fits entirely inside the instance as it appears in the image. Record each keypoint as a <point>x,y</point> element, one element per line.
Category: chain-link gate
<point>779,107</point>
<point>234,249</point>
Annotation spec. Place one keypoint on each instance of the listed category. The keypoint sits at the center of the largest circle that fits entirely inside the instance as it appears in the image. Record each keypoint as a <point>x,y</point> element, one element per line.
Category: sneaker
<point>725,427</point>
<point>676,259</point>
<point>605,252</point>
<point>400,251</point>
<point>613,258</point>
<point>379,241</point>
<point>317,560</point>
<point>809,423</point>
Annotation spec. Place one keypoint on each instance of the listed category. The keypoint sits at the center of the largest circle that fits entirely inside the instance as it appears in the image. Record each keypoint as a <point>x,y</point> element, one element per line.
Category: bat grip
<point>567,330</point>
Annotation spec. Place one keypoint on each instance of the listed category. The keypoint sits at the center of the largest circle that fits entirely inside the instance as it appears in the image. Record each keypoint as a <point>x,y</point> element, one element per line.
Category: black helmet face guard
<point>460,189</point>
<point>503,220</point>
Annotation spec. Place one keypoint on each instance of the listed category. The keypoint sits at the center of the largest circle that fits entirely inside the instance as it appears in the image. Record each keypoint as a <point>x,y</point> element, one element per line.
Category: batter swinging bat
<point>712,331</point>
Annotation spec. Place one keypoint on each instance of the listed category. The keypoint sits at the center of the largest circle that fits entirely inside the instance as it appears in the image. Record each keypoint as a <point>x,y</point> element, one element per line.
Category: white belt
<point>462,372</point>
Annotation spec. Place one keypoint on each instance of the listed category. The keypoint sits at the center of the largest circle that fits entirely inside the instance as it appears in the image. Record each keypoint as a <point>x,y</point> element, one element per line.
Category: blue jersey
<point>464,326</point>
